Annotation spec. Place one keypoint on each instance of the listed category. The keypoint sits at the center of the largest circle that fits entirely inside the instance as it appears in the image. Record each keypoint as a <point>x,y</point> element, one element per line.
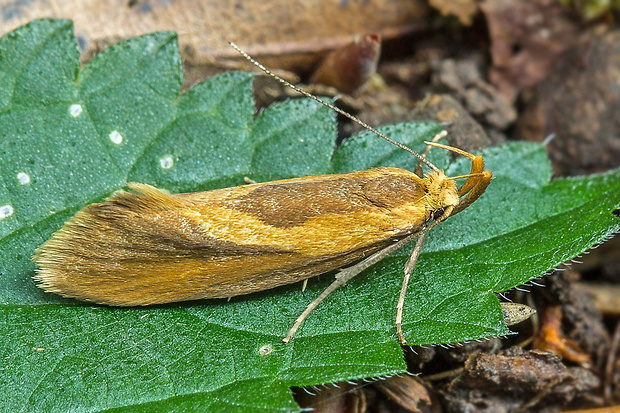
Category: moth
<point>146,246</point>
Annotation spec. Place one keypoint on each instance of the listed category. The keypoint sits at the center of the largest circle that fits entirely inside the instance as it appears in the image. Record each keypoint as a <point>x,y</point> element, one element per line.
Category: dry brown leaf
<point>269,28</point>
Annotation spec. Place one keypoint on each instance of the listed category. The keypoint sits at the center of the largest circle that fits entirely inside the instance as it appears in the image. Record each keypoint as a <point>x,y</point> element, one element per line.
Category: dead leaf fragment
<point>518,380</point>
<point>465,10</point>
<point>581,322</point>
<point>410,393</point>
<point>551,338</point>
<point>514,313</point>
<point>350,67</point>
<point>334,398</point>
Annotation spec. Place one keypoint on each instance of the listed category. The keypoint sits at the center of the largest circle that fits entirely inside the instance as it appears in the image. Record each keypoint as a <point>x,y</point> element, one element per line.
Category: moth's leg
<point>409,267</point>
<point>403,289</point>
<point>249,180</point>
<point>418,168</point>
<point>343,277</point>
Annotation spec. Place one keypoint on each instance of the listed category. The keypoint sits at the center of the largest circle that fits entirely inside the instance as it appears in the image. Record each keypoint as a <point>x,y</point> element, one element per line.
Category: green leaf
<point>79,136</point>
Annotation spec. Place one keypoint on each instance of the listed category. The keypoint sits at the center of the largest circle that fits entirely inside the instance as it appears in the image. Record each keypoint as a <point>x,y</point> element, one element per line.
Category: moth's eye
<point>437,214</point>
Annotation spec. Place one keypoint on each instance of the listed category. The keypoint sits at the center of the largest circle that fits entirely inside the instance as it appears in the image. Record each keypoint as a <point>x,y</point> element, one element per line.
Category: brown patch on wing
<point>290,204</point>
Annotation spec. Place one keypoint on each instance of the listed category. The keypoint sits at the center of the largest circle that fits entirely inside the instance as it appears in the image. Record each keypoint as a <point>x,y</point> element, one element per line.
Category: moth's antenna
<point>332,107</point>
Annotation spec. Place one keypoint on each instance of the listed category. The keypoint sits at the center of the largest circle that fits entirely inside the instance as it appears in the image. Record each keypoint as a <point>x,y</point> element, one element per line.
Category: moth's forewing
<point>148,247</point>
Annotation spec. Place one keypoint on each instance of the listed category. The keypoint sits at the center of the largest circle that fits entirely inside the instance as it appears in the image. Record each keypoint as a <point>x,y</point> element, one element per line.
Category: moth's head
<point>442,192</point>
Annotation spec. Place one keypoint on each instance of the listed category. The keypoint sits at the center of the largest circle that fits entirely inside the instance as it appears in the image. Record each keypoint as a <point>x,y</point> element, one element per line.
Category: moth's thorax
<point>442,192</point>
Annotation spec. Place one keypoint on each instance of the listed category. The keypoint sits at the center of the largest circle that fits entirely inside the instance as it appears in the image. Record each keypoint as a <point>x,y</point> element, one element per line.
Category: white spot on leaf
<point>116,137</point>
<point>166,162</point>
<point>75,110</point>
<point>265,350</point>
<point>23,178</point>
<point>6,211</point>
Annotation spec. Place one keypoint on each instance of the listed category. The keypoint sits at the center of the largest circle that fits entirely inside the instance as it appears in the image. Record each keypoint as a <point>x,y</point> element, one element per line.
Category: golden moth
<point>146,246</point>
